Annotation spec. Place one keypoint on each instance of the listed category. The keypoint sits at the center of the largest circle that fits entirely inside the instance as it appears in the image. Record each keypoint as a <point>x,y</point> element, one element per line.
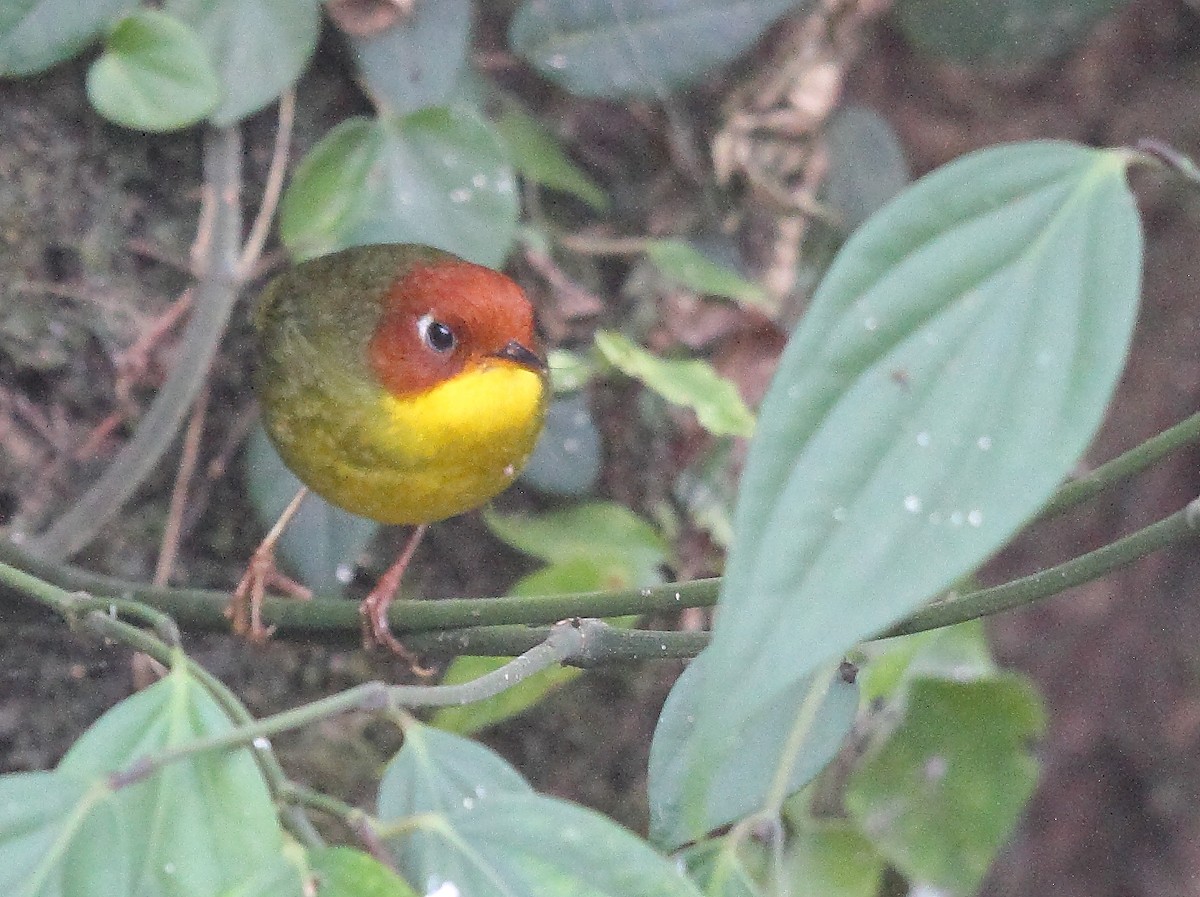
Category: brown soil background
<point>1118,809</point>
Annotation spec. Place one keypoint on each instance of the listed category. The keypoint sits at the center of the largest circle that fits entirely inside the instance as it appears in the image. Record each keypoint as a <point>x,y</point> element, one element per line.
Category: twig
<point>169,545</point>
<point>1181,525</point>
<point>272,189</point>
<point>564,641</point>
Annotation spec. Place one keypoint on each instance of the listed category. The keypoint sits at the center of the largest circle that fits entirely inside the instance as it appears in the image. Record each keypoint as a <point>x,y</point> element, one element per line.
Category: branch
<point>1181,525</point>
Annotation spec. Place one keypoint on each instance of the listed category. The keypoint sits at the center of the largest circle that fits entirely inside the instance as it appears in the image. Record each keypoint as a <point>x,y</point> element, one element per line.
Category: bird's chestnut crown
<point>441,318</point>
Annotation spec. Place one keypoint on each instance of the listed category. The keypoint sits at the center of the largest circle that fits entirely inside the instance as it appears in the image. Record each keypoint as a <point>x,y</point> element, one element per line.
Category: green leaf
<point>691,383</point>
<point>437,177</point>
<point>719,871</point>
<point>601,48</point>
<point>258,47</point>
<point>329,189</point>
<point>322,543</point>
<point>867,165</point>
<point>1001,32</point>
<point>830,858</point>
<point>12,12</point>
<point>684,264</point>
<point>60,837</point>
<point>578,575</point>
<point>959,653</point>
<point>437,773</point>
<point>741,785</point>
<point>153,75</point>
<point>510,843</point>
<point>569,371</point>
<point>418,61</point>
<point>206,820</point>
<point>943,793</point>
<point>536,154</point>
<point>37,34</point>
<point>951,370</point>
<point>566,459</point>
<point>346,872</point>
<point>629,550</point>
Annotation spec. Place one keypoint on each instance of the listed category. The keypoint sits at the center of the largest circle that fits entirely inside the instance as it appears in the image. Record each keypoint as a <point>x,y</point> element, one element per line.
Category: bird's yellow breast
<point>436,454</point>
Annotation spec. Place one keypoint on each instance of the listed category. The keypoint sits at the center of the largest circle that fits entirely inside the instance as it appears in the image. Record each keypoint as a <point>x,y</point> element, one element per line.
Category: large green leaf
<point>1000,32</point>
<point>437,177</point>
<point>205,823</point>
<point>508,844</point>
<point>419,60</point>
<point>952,368</point>
<point>322,543</point>
<point>741,785</point>
<point>36,34</point>
<point>435,774</point>
<point>602,48</point>
<point>60,837</point>
<point>154,75</point>
<point>258,47</point>
<point>941,795</point>
<point>690,382</point>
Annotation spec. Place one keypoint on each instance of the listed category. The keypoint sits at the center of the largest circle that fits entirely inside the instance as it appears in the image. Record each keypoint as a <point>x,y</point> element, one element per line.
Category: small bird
<point>398,382</point>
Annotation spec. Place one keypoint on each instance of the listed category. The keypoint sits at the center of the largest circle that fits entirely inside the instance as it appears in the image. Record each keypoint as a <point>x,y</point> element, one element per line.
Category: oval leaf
<point>1001,32</point>
<point>418,61</point>
<point>322,543</point>
<point>942,794</point>
<point>601,48</point>
<point>740,786</point>
<point>538,846</point>
<point>154,75</point>
<point>60,837</point>
<point>691,383</point>
<point>258,47</point>
<point>953,367</point>
<point>328,191</point>
<point>223,827</point>
<point>36,34</point>
<point>438,177</point>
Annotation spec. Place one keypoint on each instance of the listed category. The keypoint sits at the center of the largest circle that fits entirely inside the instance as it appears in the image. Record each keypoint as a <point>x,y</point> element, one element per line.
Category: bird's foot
<point>245,606</point>
<point>377,632</point>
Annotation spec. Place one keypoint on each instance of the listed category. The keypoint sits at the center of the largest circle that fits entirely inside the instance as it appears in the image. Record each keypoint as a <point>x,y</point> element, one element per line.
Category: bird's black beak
<point>515,352</point>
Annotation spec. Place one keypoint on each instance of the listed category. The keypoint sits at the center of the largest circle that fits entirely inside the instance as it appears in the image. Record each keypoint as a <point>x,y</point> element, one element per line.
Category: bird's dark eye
<point>435,334</point>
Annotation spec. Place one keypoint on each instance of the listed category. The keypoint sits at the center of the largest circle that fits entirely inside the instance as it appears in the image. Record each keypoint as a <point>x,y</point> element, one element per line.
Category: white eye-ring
<point>436,335</point>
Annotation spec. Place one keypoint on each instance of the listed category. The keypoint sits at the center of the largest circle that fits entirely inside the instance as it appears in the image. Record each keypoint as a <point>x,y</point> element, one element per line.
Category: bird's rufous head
<point>444,317</point>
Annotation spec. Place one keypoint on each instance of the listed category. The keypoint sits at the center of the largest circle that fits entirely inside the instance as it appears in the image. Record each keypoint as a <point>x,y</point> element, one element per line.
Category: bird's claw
<point>245,606</point>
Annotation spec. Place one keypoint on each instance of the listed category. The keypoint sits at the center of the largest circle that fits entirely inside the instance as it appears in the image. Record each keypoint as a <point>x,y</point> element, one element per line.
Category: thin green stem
<point>566,640</point>
<point>205,609</point>
<point>1123,466</point>
<point>1179,526</point>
